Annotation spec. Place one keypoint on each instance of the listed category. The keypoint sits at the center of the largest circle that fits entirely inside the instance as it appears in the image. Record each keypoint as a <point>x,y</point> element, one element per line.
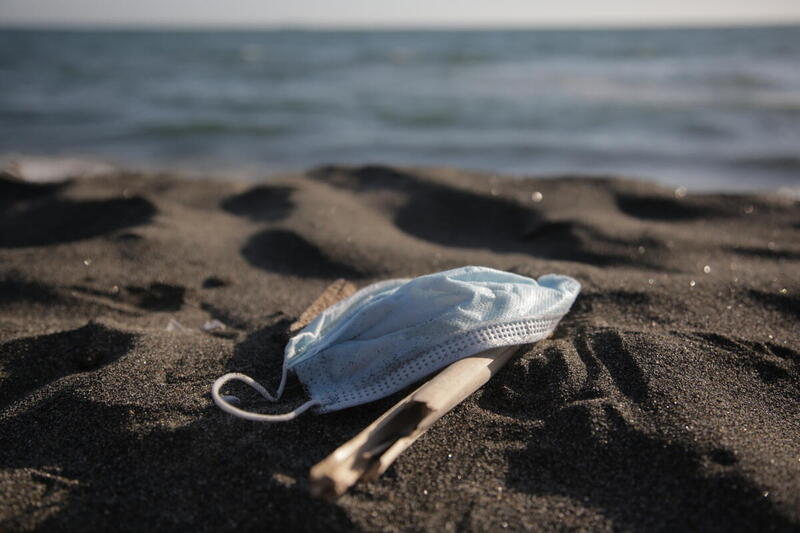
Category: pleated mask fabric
<point>393,333</point>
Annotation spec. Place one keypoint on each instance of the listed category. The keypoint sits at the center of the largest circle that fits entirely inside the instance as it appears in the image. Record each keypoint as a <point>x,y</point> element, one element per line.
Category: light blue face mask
<point>393,333</point>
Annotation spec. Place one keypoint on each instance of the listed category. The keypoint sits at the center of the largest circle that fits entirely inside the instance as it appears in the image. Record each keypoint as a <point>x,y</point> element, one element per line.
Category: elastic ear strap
<point>223,404</point>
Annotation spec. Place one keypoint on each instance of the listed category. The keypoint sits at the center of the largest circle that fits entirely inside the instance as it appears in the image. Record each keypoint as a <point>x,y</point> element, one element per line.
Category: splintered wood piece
<point>367,455</point>
<point>336,291</point>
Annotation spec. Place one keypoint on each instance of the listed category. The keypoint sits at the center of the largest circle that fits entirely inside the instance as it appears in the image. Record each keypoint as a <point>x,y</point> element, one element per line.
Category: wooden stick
<point>367,455</point>
<point>336,291</point>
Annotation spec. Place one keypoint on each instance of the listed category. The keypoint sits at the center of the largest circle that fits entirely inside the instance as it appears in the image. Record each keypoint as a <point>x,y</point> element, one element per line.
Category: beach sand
<point>669,397</point>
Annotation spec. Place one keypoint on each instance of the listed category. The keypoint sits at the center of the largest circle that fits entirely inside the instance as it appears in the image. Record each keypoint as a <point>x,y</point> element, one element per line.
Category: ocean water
<point>702,108</point>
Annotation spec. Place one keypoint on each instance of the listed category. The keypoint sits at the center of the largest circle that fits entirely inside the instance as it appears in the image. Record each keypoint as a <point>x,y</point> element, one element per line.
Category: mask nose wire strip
<point>249,415</point>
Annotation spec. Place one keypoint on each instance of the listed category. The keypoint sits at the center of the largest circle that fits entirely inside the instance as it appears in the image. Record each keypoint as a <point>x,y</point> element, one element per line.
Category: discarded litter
<point>212,325</point>
<point>174,325</point>
<point>407,329</point>
<point>472,319</point>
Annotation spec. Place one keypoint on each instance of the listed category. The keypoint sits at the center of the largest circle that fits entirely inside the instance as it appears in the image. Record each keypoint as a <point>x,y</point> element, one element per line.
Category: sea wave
<point>774,162</point>
<point>210,127</point>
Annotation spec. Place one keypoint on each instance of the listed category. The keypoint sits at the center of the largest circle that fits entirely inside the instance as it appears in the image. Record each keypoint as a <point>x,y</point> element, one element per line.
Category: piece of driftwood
<point>371,452</point>
<point>336,291</point>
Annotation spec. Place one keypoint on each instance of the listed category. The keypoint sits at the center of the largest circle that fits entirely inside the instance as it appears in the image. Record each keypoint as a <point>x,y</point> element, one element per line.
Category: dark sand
<point>669,398</point>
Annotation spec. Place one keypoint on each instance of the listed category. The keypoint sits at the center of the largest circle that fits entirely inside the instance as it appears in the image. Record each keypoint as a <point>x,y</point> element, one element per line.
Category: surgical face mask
<point>393,333</point>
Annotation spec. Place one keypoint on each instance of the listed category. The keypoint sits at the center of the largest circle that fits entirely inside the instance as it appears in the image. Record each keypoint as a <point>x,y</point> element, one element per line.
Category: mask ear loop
<point>229,408</point>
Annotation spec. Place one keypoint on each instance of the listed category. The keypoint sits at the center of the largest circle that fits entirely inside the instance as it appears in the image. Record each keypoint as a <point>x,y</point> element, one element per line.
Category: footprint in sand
<point>32,362</point>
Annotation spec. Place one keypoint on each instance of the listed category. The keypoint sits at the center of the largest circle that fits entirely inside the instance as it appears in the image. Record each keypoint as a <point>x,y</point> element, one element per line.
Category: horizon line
<point>398,27</point>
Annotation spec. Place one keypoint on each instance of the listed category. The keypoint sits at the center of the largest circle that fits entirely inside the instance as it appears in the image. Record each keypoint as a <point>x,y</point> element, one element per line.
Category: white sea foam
<point>42,169</point>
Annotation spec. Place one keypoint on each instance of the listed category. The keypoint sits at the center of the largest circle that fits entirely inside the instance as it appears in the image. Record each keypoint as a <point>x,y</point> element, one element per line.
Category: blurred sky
<point>399,13</point>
